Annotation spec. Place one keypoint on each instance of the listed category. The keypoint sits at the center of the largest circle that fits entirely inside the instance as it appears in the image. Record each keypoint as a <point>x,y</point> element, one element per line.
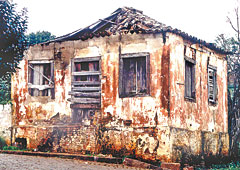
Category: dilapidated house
<point>125,85</point>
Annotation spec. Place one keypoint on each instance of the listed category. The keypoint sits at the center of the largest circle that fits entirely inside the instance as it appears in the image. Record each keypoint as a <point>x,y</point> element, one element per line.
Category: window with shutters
<point>212,84</point>
<point>41,78</point>
<point>190,78</point>
<point>134,75</point>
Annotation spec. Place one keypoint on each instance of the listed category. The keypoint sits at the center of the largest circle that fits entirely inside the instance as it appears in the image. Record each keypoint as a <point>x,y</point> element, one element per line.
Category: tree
<point>13,26</point>
<point>233,46</point>
<point>39,37</point>
<point>5,89</point>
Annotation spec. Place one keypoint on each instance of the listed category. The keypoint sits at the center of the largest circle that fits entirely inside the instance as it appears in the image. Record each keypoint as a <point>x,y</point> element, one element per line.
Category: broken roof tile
<point>128,20</point>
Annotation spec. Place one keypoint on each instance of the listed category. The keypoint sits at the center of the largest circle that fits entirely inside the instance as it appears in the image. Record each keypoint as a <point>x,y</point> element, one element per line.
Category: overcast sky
<point>204,19</point>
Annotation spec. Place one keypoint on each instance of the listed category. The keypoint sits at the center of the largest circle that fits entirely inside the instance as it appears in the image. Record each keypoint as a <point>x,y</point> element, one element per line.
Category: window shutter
<point>211,90</point>
<point>148,74</point>
<point>52,78</point>
<point>130,76</point>
<point>37,78</point>
<point>30,78</point>
<point>141,75</point>
<point>187,80</point>
<point>30,74</point>
<point>134,74</point>
<point>121,77</point>
<point>216,85</point>
<point>193,92</point>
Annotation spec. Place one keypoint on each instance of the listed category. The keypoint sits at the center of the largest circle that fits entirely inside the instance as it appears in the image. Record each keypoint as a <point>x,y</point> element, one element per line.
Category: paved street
<point>23,162</point>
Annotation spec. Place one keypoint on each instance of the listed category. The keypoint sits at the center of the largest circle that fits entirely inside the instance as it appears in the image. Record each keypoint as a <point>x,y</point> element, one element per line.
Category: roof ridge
<point>132,9</point>
<point>125,20</point>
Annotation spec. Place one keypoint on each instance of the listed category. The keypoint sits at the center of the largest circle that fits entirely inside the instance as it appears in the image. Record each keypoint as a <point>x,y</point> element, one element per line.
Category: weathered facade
<point>126,85</point>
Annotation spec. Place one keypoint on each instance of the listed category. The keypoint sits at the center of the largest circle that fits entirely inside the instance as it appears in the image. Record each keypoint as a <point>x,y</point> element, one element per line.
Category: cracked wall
<point>147,127</point>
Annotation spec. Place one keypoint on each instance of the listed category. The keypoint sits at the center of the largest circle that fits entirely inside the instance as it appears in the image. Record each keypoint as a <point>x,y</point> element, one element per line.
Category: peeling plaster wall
<point>148,127</point>
<point>141,110</point>
<point>32,110</point>
<point>199,115</point>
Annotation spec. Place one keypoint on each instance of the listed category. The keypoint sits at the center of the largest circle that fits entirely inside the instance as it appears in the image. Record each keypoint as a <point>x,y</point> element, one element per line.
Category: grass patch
<point>13,148</point>
<point>229,166</point>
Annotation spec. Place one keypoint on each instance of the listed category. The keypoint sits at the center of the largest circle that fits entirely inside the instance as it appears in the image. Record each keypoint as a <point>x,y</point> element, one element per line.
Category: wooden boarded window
<point>134,75</point>
<point>41,78</point>
<point>89,68</point>
<point>212,84</point>
<point>86,86</point>
<point>189,78</point>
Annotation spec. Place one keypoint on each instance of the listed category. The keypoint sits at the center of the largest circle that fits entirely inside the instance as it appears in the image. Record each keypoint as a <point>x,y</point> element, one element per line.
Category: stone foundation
<point>166,144</point>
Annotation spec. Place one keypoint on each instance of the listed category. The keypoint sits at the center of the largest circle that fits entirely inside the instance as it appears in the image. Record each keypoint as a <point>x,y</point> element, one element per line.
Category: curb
<point>139,164</point>
<point>111,160</point>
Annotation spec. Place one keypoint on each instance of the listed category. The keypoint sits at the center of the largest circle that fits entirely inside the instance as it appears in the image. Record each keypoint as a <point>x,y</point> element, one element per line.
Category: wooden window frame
<point>82,73</point>
<point>215,87</point>
<point>44,86</point>
<point>192,62</point>
<point>85,94</point>
<point>88,89</point>
<point>121,65</point>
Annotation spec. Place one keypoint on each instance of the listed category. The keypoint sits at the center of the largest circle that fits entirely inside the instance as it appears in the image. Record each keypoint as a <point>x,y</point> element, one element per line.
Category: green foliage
<point>13,26</point>
<point>39,37</point>
<point>2,143</point>
<point>231,166</point>
<point>13,148</point>
<point>5,89</point>
<point>232,45</point>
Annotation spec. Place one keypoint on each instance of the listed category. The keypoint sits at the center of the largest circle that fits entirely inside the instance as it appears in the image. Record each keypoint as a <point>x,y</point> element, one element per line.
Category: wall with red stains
<point>31,110</point>
<point>199,115</point>
<point>141,110</point>
<point>148,127</point>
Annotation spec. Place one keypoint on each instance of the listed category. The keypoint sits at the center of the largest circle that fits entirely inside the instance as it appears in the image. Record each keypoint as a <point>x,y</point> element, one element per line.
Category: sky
<point>204,19</point>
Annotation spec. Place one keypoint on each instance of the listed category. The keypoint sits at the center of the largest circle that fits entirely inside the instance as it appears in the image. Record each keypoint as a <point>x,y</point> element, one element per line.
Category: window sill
<point>211,103</point>
<point>40,87</point>
<point>189,99</point>
<point>41,99</point>
<point>134,95</point>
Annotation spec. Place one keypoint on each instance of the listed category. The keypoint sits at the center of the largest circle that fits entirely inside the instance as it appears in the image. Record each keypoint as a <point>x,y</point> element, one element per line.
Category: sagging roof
<point>129,20</point>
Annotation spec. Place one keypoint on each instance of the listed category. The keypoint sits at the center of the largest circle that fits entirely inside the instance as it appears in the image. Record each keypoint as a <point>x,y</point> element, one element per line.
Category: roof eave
<point>193,39</point>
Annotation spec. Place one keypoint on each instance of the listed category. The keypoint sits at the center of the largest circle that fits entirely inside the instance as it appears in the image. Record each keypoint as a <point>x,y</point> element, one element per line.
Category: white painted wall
<point>6,122</point>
